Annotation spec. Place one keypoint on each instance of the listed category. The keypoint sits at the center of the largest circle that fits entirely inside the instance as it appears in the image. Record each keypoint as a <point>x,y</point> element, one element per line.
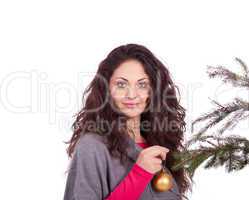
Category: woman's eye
<point>143,85</point>
<point>121,84</point>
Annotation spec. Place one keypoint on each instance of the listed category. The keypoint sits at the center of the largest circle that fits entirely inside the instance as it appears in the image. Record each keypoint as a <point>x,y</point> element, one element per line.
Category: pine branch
<point>232,152</point>
<point>214,150</point>
<point>237,110</point>
<point>244,67</point>
<point>228,76</point>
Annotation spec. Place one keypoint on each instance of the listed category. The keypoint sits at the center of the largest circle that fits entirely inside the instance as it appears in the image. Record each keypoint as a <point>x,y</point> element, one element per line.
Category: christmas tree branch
<point>228,76</point>
<point>223,151</point>
<point>235,111</point>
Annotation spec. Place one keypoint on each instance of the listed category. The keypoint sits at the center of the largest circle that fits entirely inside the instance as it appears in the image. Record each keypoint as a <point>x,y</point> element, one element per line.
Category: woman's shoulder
<point>90,142</point>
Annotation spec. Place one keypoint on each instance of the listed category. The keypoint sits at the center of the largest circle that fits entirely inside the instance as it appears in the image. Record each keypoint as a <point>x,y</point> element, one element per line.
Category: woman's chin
<point>131,113</point>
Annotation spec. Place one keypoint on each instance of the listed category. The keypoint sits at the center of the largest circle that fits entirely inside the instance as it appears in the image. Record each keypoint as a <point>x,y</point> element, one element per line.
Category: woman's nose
<point>132,93</point>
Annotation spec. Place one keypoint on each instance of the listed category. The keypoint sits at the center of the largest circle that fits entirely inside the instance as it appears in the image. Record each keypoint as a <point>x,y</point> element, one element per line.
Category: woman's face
<point>129,88</point>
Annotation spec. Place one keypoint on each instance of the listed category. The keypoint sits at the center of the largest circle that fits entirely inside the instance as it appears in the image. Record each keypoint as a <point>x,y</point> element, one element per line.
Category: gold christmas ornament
<point>162,181</point>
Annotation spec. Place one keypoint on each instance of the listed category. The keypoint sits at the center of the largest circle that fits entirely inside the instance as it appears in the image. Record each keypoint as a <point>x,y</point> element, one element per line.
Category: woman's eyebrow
<point>127,80</point>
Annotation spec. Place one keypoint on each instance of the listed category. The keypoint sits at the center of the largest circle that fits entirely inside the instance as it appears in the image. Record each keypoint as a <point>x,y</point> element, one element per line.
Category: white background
<point>49,50</point>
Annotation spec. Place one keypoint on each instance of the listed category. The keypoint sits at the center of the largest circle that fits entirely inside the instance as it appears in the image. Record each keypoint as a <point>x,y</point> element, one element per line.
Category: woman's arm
<point>133,185</point>
<point>87,173</point>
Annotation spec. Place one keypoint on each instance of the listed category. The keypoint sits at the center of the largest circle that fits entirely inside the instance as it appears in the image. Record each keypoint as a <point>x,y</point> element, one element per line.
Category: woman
<point>130,123</point>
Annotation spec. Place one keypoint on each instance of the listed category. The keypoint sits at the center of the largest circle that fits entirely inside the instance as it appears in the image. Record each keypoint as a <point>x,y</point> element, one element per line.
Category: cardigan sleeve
<point>86,173</point>
<point>133,185</point>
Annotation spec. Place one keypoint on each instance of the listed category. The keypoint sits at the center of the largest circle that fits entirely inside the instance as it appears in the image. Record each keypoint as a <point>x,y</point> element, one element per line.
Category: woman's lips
<point>130,105</point>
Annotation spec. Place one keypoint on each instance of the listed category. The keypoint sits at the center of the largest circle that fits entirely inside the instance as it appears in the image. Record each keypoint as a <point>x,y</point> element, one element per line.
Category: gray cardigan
<point>93,173</point>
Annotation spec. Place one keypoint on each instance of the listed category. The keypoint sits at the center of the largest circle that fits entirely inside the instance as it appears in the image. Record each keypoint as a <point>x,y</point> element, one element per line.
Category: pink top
<point>133,185</point>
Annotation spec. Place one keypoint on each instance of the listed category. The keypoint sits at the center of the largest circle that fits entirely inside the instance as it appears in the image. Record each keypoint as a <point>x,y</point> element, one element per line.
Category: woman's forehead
<point>130,70</point>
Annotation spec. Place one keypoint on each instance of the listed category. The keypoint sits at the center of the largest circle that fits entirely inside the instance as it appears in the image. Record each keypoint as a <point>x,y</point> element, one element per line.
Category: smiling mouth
<point>130,105</point>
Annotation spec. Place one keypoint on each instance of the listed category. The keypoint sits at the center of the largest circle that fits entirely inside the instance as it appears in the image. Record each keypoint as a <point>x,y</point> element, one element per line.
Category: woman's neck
<point>133,125</point>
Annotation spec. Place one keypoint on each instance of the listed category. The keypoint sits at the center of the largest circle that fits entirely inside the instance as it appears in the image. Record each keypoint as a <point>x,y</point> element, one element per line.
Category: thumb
<point>164,154</point>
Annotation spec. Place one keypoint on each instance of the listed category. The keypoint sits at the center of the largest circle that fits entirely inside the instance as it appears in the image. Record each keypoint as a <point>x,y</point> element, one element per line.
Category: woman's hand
<point>151,158</point>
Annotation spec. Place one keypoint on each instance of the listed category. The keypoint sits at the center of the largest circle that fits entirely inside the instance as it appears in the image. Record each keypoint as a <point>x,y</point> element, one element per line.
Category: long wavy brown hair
<point>163,112</point>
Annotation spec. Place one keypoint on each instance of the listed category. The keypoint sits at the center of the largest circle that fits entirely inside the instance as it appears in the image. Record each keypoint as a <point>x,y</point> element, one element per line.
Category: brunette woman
<point>126,131</point>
